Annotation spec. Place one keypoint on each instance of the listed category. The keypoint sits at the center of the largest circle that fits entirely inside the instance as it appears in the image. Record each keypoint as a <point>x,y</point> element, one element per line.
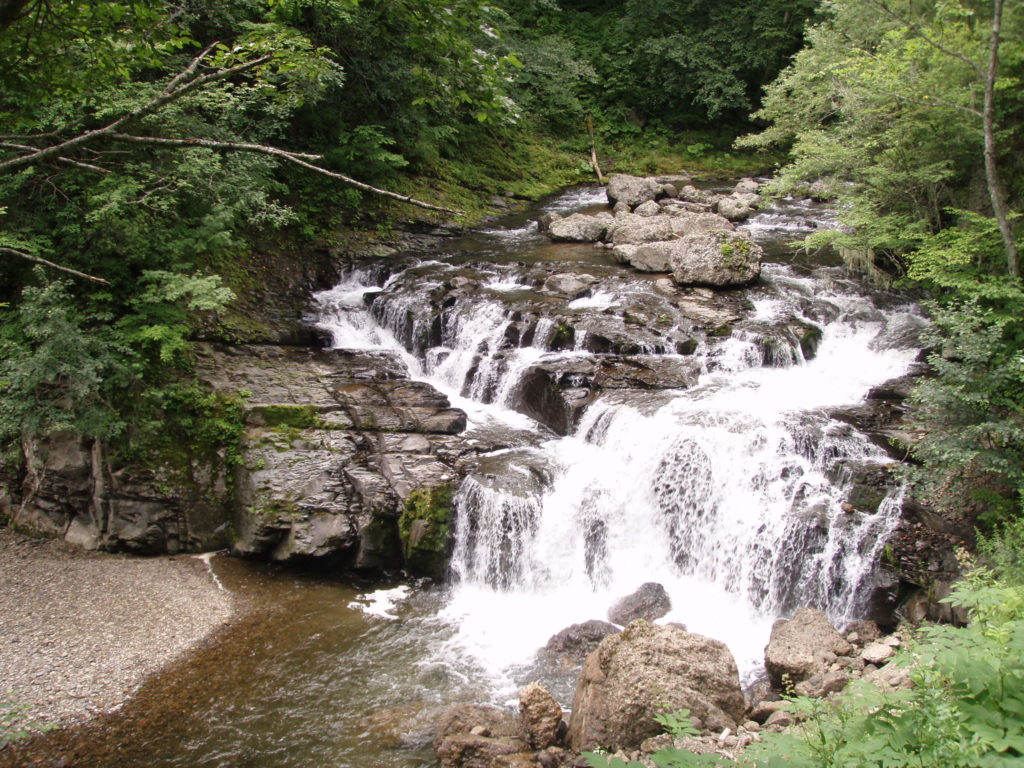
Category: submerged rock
<point>645,670</point>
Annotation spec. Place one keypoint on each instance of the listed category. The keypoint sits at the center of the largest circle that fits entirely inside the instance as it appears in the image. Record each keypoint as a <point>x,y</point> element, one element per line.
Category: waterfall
<point>732,494</point>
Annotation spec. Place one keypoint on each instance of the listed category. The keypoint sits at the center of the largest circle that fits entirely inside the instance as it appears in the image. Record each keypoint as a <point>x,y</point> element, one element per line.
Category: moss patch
<point>425,528</point>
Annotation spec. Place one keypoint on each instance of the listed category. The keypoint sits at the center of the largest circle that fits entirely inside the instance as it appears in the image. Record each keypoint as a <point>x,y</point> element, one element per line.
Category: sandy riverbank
<point>79,631</point>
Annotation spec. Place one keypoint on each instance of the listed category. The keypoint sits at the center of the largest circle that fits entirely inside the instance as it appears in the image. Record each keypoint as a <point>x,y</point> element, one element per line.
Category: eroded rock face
<point>649,602</point>
<point>802,647</point>
<point>339,446</point>
<point>645,670</point>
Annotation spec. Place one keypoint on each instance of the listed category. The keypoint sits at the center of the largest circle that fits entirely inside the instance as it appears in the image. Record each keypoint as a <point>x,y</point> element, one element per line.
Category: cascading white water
<point>730,494</point>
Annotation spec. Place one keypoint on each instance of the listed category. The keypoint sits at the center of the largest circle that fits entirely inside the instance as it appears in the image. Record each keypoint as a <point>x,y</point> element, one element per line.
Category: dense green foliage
<point>145,146</point>
<point>886,101</point>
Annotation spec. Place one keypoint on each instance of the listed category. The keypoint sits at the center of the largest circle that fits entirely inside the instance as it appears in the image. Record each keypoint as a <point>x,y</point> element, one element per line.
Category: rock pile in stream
<point>646,670</point>
<point>665,224</point>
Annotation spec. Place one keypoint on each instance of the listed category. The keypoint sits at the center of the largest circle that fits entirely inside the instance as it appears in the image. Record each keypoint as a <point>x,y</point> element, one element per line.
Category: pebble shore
<point>80,631</point>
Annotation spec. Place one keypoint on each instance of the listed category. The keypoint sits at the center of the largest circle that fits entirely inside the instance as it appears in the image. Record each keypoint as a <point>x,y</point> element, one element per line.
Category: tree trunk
<point>995,185</point>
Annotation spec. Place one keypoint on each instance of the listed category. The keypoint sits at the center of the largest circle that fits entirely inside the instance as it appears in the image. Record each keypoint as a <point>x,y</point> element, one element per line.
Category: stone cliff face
<point>340,451</point>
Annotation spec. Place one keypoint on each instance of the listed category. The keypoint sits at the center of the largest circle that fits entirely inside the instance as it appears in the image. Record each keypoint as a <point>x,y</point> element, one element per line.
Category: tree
<point>902,100</point>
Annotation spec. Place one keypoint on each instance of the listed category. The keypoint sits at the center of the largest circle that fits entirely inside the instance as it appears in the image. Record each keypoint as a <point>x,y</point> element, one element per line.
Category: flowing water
<point>728,488</point>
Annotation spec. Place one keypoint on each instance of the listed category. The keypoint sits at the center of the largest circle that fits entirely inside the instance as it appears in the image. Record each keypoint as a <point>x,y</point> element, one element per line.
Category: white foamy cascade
<point>731,495</point>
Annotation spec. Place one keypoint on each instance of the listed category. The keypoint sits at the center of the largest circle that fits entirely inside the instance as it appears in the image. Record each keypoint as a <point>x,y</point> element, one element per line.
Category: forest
<point>148,148</point>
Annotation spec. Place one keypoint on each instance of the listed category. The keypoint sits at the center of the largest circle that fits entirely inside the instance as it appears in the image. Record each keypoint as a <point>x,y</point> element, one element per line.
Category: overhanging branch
<point>299,158</point>
<point>44,262</point>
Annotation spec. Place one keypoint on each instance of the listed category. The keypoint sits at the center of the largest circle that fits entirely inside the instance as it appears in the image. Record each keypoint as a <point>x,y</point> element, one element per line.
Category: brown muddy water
<point>299,679</point>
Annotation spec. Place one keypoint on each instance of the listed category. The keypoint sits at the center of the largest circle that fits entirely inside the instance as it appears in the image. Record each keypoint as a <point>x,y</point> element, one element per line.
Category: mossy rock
<point>425,528</point>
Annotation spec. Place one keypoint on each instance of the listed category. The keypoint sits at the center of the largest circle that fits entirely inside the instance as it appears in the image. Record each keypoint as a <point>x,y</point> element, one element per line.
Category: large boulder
<point>632,229</point>
<point>802,647</point>
<point>580,228</point>
<point>649,602</point>
<point>632,190</point>
<point>646,670</point>
<point>717,258</point>
<point>541,716</point>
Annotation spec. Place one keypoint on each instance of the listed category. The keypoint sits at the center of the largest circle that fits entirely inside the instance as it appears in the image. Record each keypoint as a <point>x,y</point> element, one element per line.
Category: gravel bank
<point>79,631</point>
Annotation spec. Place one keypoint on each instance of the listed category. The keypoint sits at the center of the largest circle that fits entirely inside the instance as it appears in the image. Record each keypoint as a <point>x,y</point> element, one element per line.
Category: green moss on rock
<point>425,527</point>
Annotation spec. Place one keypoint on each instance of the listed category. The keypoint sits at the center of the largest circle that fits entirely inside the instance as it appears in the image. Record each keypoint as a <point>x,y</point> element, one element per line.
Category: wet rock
<point>575,642</point>
<point>797,645</point>
<point>864,630</point>
<point>545,220</point>
<point>632,190</point>
<point>569,284</point>
<point>647,669</point>
<point>467,750</point>
<point>465,717</point>
<point>580,228</point>
<point>556,391</point>
<point>541,716</point>
<point>649,602</point>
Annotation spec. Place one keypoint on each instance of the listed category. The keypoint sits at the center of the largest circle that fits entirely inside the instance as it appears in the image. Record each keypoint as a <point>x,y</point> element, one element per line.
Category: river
<point>728,487</point>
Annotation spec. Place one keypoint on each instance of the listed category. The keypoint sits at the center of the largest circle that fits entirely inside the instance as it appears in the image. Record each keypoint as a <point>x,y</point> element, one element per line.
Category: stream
<point>724,479</point>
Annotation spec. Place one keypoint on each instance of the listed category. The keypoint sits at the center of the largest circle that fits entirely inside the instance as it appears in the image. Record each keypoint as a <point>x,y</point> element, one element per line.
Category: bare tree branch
<point>38,260</point>
<point>65,160</point>
<point>149,108</point>
<point>293,157</point>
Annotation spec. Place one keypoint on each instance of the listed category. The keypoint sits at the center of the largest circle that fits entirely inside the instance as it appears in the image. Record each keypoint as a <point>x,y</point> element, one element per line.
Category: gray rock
<point>797,645</point>
<point>580,228</point>
<point>575,642</point>
<point>823,190</point>
<point>569,284</point>
<point>822,684</point>
<point>649,602</point>
<point>545,220</point>
<point>877,653</point>
<point>648,669</point>
<point>650,208</point>
<point>746,186</point>
<point>632,190</point>
<point>734,208</point>
<point>691,194</point>
<point>715,258</point>
<point>541,716</point>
